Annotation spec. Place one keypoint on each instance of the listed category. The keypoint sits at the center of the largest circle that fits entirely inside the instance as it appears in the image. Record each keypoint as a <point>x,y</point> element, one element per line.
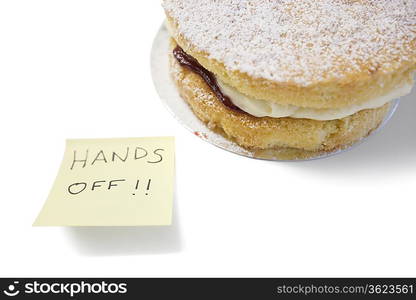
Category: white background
<point>81,69</point>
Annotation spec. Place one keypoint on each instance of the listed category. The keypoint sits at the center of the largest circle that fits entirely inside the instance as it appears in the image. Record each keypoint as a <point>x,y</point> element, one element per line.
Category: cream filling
<point>263,108</point>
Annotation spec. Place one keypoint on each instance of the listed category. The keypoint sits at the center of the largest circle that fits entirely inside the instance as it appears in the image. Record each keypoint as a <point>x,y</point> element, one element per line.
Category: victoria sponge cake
<point>313,75</point>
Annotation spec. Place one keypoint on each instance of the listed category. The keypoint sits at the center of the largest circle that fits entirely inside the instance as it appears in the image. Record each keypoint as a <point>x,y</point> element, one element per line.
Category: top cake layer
<point>300,44</point>
<point>300,41</point>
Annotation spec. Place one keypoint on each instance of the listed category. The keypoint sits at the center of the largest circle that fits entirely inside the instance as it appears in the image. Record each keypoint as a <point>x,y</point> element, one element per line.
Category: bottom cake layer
<point>270,133</point>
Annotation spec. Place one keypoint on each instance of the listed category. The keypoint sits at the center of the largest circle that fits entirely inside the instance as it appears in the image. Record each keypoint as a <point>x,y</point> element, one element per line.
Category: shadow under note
<point>392,149</point>
<point>112,241</point>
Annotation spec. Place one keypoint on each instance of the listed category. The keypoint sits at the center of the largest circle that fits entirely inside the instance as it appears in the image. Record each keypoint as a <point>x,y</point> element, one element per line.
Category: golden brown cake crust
<point>266,133</point>
<point>381,70</point>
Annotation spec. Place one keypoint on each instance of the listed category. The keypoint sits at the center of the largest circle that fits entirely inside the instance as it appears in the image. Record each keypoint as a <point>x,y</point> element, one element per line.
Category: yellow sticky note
<point>113,182</point>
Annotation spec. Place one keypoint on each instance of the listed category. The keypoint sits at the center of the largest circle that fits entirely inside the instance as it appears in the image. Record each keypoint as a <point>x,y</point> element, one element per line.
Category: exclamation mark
<point>148,186</point>
<point>137,186</point>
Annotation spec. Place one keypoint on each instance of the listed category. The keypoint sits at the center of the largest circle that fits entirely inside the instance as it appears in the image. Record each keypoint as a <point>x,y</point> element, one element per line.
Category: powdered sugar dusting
<point>300,41</point>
